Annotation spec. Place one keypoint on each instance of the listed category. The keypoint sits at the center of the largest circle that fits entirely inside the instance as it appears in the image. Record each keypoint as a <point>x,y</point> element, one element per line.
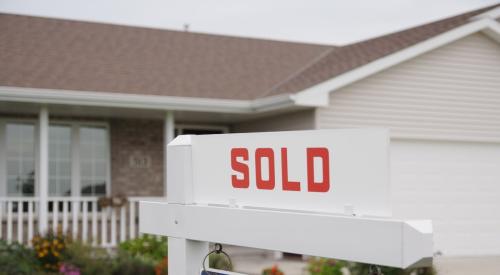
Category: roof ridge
<point>153,28</point>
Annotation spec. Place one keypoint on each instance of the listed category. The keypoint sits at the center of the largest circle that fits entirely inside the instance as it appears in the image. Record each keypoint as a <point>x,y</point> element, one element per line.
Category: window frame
<point>75,160</point>
<point>3,154</point>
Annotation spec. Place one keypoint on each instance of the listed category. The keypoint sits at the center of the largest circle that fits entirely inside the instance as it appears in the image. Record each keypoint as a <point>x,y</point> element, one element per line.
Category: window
<point>59,160</point>
<point>93,161</point>
<point>20,159</point>
<point>18,143</point>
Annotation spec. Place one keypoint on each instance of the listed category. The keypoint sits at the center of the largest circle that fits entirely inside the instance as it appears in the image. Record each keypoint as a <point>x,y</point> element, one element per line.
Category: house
<point>87,108</point>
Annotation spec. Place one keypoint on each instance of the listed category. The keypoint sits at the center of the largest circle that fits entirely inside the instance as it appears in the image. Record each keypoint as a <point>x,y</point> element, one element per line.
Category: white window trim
<point>75,160</point>
<point>3,151</point>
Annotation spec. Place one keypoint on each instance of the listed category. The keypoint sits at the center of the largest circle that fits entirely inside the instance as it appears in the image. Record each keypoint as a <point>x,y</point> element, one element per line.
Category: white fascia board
<point>493,30</point>
<point>151,102</point>
<point>318,95</point>
<point>492,14</point>
<point>272,103</point>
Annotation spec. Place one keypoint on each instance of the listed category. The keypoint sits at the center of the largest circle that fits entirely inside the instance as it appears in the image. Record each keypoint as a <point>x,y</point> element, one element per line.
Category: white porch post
<point>43,168</point>
<point>75,178</point>
<point>168,136</point>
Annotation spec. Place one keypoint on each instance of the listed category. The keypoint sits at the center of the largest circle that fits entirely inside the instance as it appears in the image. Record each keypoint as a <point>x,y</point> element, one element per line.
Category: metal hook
<point>217,250</point>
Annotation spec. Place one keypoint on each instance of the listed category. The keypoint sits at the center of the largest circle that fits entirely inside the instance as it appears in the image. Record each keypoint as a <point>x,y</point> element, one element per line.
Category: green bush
<point>128,264</point>
<point>322,266</point>
<point>362,269</point>
<point>148,247</point>
<point>17,259</point>
<point>89,260</point>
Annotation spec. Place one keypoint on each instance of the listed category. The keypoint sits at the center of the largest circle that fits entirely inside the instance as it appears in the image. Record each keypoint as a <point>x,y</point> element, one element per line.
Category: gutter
<point>150,102</point>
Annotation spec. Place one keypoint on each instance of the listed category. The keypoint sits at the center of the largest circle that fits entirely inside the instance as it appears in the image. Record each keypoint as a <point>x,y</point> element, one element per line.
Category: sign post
<point>320,193</point>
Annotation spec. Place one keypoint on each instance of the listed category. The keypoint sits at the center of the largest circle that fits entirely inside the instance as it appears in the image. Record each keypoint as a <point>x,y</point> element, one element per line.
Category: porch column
<point>168,136</point>
<point>75,178</point>
<point>43,168</point>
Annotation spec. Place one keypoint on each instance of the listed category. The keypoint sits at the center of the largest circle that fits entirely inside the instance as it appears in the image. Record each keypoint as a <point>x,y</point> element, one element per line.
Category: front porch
<point>79,217</point>
<point>61,168</point>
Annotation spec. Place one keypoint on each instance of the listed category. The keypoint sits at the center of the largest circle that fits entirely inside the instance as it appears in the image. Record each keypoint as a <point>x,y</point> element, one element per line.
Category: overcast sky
<point>315,21</point>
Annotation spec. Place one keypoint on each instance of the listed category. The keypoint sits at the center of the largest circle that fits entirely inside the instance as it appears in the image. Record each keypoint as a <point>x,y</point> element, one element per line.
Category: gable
<point>451,93</point>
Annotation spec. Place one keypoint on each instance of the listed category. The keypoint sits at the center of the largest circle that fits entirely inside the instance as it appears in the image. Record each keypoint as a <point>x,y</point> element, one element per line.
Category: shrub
<point>147,246</point>
<point>87,259</point>
<point>322,266</point>
<point>127,264</point>
<point>274,270</point>
<point>16,259</point>
<point>362,269</point>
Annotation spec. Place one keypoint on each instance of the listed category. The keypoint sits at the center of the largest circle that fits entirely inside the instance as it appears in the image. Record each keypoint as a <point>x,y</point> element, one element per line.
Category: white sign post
<point>321,193</point>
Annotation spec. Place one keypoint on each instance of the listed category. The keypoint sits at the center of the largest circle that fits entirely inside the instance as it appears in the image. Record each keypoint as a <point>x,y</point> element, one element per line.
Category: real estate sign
<point>327,171</point>
<point>321,193</point>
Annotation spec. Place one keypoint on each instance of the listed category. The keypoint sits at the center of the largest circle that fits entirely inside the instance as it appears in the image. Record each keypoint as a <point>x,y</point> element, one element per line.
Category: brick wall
<point>136,157</point>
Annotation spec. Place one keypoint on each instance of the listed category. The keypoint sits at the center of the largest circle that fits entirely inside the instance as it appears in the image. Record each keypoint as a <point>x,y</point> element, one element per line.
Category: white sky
<point>316,21</point>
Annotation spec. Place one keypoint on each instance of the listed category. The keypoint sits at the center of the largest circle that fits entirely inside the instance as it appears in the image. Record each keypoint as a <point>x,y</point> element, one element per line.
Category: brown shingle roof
<point>344,59</point>
<point>62,54</point>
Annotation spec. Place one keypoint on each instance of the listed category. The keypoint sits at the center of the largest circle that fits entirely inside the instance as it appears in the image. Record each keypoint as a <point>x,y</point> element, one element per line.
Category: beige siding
<point>302,120</point>
<point>451,93</point>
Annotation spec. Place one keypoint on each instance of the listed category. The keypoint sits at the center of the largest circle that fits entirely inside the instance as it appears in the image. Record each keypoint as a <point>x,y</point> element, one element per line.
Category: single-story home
<point>86,110</point>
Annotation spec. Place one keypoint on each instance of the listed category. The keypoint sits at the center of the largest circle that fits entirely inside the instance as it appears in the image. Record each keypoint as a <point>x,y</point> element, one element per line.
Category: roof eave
<point>149,102</point>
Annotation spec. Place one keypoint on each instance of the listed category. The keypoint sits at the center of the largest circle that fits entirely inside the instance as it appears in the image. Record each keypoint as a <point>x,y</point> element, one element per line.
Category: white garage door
<point>457,185</point>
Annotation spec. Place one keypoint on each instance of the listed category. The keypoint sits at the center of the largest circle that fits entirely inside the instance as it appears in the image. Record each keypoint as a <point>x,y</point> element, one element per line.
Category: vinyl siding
<point>451,93</point>
<point>302,120</point>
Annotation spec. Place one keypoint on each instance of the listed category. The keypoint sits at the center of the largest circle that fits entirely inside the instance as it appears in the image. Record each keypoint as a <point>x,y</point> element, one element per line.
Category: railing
<point>79,217</point>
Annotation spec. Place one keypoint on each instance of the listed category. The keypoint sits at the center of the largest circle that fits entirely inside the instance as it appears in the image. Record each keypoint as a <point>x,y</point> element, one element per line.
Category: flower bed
<point>57,254</point>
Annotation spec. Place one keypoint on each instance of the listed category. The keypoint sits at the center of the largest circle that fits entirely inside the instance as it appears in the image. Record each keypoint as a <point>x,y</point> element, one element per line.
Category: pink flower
<point>68,269</point>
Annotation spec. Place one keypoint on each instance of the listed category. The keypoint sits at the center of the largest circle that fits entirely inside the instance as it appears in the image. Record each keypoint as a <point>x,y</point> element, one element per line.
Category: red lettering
<point>261,153</point>
<point>240,167</point>
<point>324,185</point>
<point>287,185</point>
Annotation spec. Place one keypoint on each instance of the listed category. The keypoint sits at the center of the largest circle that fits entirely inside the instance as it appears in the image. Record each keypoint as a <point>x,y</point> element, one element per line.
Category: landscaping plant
<point>162,267</point>
<point>49,250</point>
<point>149,247</point>
<point>274,270</point>
<point>86,259</point>
<point>362,269</point>
<point>128,264</point>
<point>17,259</point>
<point>322,266</point>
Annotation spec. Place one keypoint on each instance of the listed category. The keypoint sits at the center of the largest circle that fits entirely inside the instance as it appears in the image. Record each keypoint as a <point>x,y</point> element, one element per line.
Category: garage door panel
<point>455,184</point>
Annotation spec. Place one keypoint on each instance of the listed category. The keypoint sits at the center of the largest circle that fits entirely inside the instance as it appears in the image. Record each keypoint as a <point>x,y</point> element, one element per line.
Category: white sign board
<point>321,171</point>
<point>285,191</point>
